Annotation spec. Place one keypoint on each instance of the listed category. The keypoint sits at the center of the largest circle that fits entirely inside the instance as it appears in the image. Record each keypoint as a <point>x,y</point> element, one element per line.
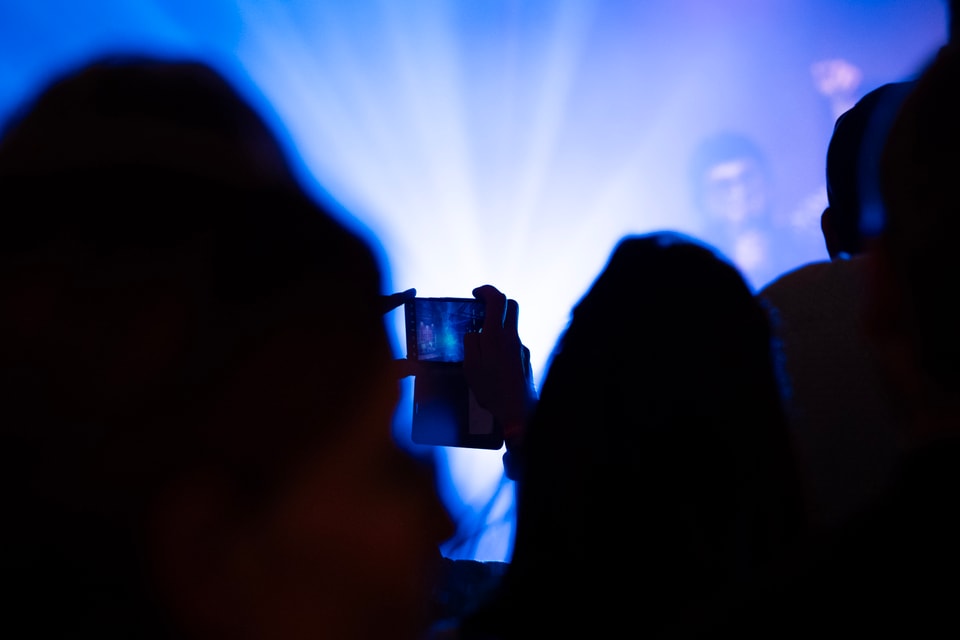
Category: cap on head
<point>852,167</point>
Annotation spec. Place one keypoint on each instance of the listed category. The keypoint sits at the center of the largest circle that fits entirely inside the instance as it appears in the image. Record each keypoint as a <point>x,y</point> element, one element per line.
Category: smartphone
<point>435,327</point>
<point>445,410</point>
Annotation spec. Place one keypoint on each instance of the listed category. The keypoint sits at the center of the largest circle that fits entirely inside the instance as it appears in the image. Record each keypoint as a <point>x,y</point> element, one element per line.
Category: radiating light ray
<point>427,63</point>
<point>561,58</point>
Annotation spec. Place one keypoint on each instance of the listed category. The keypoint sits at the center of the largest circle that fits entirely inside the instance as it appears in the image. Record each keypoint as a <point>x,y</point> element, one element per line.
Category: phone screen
<point>435,327</point>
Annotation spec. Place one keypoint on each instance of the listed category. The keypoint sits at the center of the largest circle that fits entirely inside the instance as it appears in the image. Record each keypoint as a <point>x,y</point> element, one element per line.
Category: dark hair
<point>659,444</point>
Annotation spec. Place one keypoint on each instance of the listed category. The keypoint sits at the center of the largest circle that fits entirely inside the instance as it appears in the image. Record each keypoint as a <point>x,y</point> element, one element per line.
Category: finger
<point>394,300</point>
<point>494,306</point>
<point>527,369</point>
<point>511,316</point>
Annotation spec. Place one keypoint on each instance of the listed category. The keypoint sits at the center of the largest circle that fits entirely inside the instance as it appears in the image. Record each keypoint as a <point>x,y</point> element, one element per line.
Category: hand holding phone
<point>497,364</point>
<point>473,382</point>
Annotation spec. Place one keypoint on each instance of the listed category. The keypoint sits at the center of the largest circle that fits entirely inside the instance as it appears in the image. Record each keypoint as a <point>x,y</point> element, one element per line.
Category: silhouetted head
<point>659,443</point>
<point>196,388</point>
<point>129,111</point>
<point>852,168</point>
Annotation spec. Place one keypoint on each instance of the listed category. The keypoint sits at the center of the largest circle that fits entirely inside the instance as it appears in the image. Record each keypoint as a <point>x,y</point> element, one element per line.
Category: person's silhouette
<point>197,383</point>
<point>657,466</point>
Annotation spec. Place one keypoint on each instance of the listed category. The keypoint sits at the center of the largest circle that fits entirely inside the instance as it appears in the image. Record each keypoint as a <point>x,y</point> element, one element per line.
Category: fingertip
<point>486,290</point>
<point>511,314</point>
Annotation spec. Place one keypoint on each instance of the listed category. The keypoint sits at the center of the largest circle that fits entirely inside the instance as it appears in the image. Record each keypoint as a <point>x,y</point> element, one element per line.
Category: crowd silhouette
<point>197,442</point>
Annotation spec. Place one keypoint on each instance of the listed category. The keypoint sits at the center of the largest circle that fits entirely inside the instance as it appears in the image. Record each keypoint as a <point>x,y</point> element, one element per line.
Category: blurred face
<point>734,191</point>
<point>350,547</point>
<point>347,546</point>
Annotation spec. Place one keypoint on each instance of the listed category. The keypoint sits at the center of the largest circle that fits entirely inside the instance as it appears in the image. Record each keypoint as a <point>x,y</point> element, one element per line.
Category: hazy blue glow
<point>513,143</point>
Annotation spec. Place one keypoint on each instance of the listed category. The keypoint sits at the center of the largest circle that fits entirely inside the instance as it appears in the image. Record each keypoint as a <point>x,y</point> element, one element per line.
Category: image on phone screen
<point>436,326</point>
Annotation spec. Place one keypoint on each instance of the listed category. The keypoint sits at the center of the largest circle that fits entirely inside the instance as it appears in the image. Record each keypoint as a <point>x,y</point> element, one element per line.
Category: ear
<point>829,233</point>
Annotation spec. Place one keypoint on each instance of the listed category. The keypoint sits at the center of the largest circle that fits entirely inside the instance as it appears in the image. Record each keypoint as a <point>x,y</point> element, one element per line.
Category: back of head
<point>920,173</point>
<point>852,166</point>
<point>153,242</point>
<point>133,174</point>
<point>659,444</point>
<point>130,110</point>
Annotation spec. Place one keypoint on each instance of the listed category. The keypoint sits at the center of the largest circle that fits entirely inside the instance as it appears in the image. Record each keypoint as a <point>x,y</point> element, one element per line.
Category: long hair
<point>658,452</point>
